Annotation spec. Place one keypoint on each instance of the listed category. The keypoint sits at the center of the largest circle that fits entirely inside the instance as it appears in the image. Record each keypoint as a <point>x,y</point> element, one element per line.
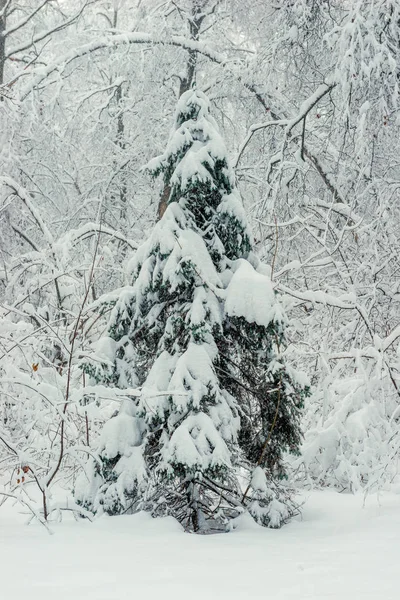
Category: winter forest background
<point>305,96</point>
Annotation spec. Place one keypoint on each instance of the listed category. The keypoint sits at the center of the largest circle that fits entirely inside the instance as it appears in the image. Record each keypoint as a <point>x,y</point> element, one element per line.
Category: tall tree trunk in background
<point>2,40</point>
<point>120,138</point>
<point>123,194</point>
<point>196,19</point>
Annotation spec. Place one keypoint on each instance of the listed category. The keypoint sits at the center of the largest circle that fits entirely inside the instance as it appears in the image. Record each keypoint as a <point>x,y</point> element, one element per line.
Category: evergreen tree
<point>200,332</point>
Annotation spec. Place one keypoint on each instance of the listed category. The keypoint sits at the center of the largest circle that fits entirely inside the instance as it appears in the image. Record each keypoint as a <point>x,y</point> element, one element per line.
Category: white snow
<point>251,295</point>
<point>231,204</point>
<point>196,443</point>
<point>199,141</point>
<point>119,434</point>
<point>258,480</point>
<point>338,551</point>
<point>191,247</point>
<point>192,166</point>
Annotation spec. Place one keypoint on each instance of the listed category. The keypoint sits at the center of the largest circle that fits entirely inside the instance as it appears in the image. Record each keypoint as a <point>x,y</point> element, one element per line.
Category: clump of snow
<point>200,140</point>
<point>104,350</point>
<point>191,247</point>
<point>197,444</point>
<point>194,370</point>
<point>258,480</point>
<point>251,295</point>
<point>119,434</point>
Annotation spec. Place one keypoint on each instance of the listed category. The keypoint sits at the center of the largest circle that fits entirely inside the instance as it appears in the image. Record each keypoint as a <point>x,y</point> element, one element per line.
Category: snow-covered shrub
<point>351,429</point>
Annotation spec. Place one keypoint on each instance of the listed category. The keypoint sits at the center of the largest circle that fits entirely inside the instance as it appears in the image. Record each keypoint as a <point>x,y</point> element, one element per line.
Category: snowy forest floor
<point>338,550</point>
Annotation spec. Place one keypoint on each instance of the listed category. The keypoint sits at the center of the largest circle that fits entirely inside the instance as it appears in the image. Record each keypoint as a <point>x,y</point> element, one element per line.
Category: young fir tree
<point>200,332</point>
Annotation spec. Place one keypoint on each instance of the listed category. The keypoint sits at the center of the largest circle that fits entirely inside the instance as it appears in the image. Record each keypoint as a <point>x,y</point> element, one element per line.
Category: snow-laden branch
<point>25,20</point>
<point>354,354</point>
<point>252,131</point>
<point>391,338</point>
<point>117,40</point>
<point>26,238</point>
<point>342,209</point>
<point>115,394</point>
<point>5,8</point>
<point>381,346</point>
<point>289,124</point>
<point>26,198</point>
<point>337,196</point>
<point>90,229</point>
<point>309,104</point>
<point>345,301</point>
<point>44,34</point>
<point>311,262</point>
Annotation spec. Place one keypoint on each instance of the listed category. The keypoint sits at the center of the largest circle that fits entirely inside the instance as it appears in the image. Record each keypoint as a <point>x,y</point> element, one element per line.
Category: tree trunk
<point>2,42</point>
<point>123,194</point>
<point>195,21</point>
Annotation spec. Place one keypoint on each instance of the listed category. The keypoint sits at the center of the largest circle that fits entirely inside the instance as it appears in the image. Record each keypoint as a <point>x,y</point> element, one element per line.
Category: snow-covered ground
<point>339,550</point>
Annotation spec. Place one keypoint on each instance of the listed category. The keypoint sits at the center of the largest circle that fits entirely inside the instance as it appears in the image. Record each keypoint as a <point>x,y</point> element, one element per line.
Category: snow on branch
<point>90,229</point>
<point>102,392</point>
<point>289,124</point>
<point>25,20</point>
<point>44,34</point>
<point>391,338</point>
<point>341,209</point>
<point>252,131</point>
<point>309,104</point>
<point>26,198</point>
<point>346,301</point>
<point>117,40</point>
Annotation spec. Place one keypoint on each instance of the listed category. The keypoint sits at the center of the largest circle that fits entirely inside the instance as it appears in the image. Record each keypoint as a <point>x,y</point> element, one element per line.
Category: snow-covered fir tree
<point>200,332</point>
